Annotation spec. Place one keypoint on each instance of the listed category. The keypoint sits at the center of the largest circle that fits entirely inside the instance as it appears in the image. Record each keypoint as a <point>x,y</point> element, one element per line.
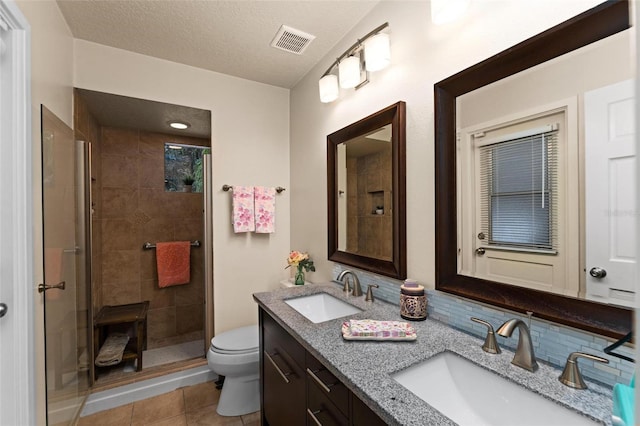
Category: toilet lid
<point>241,339</point>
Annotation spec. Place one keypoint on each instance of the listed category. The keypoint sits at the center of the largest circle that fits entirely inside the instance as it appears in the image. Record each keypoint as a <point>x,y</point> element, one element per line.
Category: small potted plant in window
<point>188,182</point>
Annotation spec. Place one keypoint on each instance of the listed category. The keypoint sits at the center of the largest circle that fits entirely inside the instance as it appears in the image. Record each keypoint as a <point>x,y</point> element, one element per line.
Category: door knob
<point>44,287</point>
<point>480,251</point>
<point>597,272</point>
<point>3,309</point>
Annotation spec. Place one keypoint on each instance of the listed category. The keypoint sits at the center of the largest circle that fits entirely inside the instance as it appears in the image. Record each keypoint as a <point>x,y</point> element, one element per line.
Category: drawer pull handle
<point>313,416</point>
<point>317,379</point>
<point>283,375</point>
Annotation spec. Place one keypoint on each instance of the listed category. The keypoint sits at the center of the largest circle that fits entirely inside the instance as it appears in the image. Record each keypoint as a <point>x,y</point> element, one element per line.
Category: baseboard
<point>127,394</point>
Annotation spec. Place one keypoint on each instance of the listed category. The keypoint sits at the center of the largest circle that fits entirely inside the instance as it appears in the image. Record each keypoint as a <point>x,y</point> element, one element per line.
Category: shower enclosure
<point>138,168</point>
<point>65,177</point>
<point>102,201</point>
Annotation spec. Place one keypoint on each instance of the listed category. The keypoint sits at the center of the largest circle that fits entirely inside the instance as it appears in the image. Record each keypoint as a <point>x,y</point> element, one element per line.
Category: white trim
<point>137,391</point>
<point>516,135</point>
<point>22,366</point>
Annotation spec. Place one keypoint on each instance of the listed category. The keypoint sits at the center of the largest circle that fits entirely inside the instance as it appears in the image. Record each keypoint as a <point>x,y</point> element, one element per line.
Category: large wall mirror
<point>366,193</point>
<point>534,175</point>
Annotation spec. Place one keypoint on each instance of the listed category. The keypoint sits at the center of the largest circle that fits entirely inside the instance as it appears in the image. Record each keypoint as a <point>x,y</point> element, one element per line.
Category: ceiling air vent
<point>292,40</point>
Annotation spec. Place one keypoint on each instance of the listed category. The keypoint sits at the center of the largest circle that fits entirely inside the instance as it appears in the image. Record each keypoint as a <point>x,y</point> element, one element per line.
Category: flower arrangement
<point>300,261</point>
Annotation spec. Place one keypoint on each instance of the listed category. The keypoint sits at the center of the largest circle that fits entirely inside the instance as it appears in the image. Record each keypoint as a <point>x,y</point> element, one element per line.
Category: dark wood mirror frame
<point>595,24</point>
<point>396,116</point>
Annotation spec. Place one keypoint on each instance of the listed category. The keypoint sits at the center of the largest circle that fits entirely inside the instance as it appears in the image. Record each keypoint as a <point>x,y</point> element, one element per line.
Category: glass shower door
<point>67,350</point>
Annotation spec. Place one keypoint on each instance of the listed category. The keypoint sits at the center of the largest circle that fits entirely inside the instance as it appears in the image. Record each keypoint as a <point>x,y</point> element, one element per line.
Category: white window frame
<point>564,275</point>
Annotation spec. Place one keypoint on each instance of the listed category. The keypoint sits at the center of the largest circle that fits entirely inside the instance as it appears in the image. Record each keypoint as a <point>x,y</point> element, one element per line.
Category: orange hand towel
<point>173,260</point>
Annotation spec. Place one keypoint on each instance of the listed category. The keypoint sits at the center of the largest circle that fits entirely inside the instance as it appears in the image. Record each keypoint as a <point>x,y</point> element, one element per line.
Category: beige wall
<point>421,55</point>
<point>51,85</point>
<point>250,146</point>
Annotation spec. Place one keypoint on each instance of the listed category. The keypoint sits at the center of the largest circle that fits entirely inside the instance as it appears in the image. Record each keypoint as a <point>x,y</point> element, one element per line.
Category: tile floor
<point>192,405</point>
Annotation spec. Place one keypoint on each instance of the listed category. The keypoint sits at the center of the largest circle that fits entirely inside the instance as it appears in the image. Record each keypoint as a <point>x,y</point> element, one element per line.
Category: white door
<point>17,383</point>
<point>610,200</point>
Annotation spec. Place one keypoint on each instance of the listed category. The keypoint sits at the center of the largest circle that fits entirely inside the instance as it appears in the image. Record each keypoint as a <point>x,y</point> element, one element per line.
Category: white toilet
<point>235,355</point>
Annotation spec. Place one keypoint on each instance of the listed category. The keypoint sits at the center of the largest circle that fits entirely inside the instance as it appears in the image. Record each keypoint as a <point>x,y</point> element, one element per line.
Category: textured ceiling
<point>230,37</point>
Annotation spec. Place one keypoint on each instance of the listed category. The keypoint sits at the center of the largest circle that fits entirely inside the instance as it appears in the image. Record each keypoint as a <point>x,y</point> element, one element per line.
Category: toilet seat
<point>236,342</point>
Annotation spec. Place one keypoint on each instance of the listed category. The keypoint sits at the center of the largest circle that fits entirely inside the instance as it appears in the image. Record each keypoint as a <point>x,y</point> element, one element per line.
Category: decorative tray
<point>408,331</point>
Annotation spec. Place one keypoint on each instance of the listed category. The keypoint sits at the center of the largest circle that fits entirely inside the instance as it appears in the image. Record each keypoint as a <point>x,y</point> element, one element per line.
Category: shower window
<point>182,166</point>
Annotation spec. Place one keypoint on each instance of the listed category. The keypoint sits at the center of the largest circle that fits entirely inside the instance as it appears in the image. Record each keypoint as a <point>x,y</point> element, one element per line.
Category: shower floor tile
<point>174,353</point>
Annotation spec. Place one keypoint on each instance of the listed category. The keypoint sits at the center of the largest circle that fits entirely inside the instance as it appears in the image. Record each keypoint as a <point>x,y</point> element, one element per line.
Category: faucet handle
<point>490,344</point>
<point>571,375</point>
<point>369,296</point>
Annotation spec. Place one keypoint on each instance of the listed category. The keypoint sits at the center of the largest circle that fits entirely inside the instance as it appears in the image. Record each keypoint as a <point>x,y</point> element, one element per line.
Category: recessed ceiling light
<point>180,125</point>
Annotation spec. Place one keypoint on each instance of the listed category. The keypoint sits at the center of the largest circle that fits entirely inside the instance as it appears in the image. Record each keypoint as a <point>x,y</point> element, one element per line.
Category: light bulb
<point>377,54</point>
<point>328,86</point>
<point>349,72</point>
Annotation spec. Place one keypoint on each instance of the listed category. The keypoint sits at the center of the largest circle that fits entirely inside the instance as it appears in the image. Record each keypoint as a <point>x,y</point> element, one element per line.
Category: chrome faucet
<point>524,356</point>
<point>357,290</point>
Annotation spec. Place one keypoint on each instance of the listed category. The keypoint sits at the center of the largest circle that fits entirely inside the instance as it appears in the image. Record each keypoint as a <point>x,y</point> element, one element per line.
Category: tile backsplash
<point>552,342</point>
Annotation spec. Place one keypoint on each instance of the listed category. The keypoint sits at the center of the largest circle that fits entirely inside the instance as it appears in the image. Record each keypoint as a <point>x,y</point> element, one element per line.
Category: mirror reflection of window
<point>518,179</point>
<point>517,206</point>
<point>183,167</point>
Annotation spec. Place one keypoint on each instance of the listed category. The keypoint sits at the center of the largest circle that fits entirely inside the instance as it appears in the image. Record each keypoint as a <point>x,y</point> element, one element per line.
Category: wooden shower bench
<point>133,314</point>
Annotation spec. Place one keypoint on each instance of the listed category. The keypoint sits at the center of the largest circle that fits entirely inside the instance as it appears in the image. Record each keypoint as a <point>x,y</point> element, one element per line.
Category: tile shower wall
<point>135,209</point>
<point>369,183</point>
<point>552,343</point>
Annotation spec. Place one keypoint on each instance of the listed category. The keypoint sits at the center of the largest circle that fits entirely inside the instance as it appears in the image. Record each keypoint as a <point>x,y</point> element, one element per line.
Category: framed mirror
<point>367,193</point>
<point>582,31</point>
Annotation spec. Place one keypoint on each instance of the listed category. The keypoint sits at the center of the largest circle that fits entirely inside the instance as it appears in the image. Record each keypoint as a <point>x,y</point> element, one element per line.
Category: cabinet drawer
<point>328,384</point>
<point>320,410</point>
<point>283,393</point>
<point>276,338</point>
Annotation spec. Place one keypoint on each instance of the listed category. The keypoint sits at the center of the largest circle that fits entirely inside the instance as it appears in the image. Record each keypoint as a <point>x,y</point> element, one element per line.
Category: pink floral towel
<point>243,219</point>
<point>265,205</point>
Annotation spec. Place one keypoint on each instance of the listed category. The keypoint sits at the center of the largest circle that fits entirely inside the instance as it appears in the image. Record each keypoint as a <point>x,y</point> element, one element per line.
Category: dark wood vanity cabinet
<point>296,389</point>
<point>282,373</point>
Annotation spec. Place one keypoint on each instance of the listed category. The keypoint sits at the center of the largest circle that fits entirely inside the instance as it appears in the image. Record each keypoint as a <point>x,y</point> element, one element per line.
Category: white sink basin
<point>471,395</point>
<point>322,307</point>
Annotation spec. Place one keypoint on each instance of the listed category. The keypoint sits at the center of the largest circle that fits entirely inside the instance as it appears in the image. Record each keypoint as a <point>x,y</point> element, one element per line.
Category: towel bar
<point>149,246</point>
<point>227,188</point>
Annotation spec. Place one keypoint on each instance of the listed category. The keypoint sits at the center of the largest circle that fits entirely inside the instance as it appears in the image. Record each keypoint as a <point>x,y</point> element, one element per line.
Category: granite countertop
<point>365,366</point>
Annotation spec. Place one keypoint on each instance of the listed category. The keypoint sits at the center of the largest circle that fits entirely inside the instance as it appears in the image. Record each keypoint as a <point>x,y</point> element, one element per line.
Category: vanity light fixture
<point>349,72</point>
<point>371,53</point>
<point>445,11</point>
<point>180,125</point>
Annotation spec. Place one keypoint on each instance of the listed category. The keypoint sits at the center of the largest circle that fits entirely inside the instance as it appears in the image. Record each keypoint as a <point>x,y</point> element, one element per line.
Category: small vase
<point>299,279</point>
<point>188,188</point>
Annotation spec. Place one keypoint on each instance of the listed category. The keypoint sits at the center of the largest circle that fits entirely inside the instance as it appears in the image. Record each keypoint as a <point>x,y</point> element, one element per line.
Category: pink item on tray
<point>377,330</point>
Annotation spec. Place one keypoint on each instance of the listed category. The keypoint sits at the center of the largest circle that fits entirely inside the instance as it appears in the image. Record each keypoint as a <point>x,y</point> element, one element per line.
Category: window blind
<point>518,192</point>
